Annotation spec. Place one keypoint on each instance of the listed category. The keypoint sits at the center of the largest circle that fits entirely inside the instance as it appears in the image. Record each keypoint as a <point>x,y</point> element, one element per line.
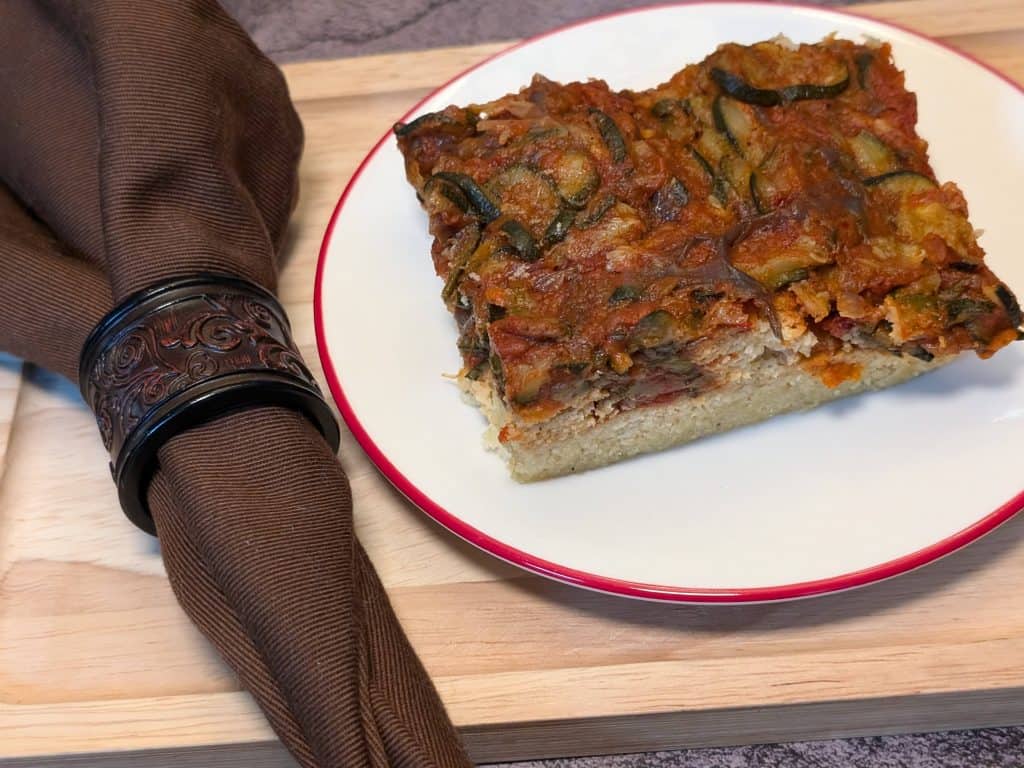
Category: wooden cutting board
<point>98,666</point>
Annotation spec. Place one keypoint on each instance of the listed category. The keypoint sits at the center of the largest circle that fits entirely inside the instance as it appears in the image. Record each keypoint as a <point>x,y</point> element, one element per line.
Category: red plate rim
<point>593,581</point>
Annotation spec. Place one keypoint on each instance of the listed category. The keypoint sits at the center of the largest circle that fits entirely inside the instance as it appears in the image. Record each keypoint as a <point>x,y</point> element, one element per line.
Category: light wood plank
<point>939,18</point>
<point>373,75</point>
<point>10,382</point>
<point>1003,50</point>
<point>11,371</point>
<point>98,666</point>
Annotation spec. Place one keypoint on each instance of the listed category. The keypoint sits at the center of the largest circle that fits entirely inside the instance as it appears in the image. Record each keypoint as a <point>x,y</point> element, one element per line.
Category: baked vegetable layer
<point>593,240</point>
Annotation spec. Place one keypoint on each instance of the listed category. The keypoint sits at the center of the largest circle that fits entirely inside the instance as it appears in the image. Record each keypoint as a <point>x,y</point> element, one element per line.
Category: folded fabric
<point>145,141</point>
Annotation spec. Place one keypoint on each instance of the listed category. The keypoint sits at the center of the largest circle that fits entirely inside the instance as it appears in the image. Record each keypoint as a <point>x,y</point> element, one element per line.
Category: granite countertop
<point>291,30</point>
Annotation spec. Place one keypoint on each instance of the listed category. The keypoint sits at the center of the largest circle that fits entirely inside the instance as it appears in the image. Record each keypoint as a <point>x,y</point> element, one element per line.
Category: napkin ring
<point>181,353</point>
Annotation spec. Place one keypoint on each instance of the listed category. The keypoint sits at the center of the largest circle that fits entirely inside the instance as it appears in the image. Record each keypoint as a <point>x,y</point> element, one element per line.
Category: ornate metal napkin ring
<point>183,352</point>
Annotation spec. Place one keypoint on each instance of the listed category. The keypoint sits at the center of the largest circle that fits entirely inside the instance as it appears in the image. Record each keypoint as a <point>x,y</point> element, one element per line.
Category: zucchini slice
<point>756,195</point>
<point>702,162</point>
<point>738,88</point>
<point>736,171</point>
<point>450,191</point>
<point>963,310</point>
<point>521,241</point>
<point>596,212</point>
<point>462,246</point>
<point>863,62</point>
<point>530,383</point>
<point>780,272</point>
<point>576,178</point>
<point>1010,304</point>
<point>663,108</point>
<point>623,294</point>
<point>652,330</point>
<point>429,120</point>
<point>793,276</point>
<point>480,204</point>
<point>497,371</point>
<point>666,108</point>
<point>611,135</point>
<point>719,186</point>
<point>900,182</point>
<point>526,195</point>
<point>734,123</point>
<point>559,226</point>
<point>874,157</point>
<point>735,86</point>
<point>811,91</point>
<point>506,184</point>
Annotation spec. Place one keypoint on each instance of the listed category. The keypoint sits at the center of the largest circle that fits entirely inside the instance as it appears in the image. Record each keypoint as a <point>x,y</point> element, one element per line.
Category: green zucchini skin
<point>651,330</point>
<point>453,193</point>
<point>481,205</point>
<point>559,226</point>
<point>702,162</point>
<point>576,178</point>
<point>429,120</point>
<point>604,205</point>
<point>470,240</point>
<point>663,108</point>
<point>623,294</point>
<point>738,88</point>
<point>1010,304</point>
<point>895,177</point>
<point>963,309</point>
<point>793,276</point>
<point>719,186</point>
<point>722,124</point>
<point>810,91</point>
<point>755,195</point>
<point>920,353</point>
<point>873,156</point>
<point>611,135</point>
<point>863,62</point>
<point>522,242</point>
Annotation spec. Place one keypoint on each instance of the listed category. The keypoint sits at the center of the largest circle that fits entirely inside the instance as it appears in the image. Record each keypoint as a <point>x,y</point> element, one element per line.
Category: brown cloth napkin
<point>145,140</point>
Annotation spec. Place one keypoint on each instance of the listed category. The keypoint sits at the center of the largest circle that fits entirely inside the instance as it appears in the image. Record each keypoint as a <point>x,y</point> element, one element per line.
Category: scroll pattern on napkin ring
<point>181,353</point>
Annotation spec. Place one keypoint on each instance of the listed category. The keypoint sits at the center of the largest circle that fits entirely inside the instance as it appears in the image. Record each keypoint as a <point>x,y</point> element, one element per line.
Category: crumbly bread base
<point>584,438</point>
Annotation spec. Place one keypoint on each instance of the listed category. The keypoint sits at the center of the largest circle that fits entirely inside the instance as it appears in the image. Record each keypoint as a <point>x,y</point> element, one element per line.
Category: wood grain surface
<point>98,666</point>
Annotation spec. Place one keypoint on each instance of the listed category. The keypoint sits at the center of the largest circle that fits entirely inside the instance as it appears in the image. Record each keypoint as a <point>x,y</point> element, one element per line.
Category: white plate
<point>853,492</point>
